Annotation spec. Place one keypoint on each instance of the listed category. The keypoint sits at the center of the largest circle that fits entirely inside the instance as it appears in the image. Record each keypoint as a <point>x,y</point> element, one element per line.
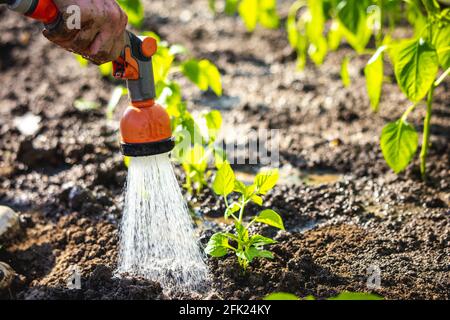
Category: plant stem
<point>408,111</point>
<point>442,77</point>
<point>426,134</point>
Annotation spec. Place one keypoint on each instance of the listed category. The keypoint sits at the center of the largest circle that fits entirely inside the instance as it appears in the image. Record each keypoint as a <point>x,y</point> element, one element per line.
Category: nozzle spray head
<point>145,130</point>
<point>145,126</point>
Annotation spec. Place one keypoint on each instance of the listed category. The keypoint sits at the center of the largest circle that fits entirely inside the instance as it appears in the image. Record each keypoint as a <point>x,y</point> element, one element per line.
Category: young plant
<point>245,246</point>
<point>195,150</point>
<point>416,61</point>
<point>416,64</point>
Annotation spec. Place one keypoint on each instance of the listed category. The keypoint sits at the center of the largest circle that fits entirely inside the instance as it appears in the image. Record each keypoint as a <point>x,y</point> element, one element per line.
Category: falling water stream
<point>157,239</point>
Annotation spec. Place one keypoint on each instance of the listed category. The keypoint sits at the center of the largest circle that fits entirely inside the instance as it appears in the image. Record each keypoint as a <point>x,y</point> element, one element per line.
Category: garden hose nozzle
<point>44,11</point>
<point>145,126</point>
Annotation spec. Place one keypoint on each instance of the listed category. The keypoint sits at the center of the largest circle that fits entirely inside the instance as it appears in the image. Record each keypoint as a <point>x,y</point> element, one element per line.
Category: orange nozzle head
<point>145,130</point>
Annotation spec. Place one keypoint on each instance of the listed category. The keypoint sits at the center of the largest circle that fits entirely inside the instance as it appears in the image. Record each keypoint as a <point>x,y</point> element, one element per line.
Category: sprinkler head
<point>145,130</point>
<point>145,127</point>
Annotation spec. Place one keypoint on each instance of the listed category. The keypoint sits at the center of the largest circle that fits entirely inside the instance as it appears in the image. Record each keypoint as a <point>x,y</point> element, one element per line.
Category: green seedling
<point>244,245</point>
<point>417,64</point>
<point>201,151</point>
<point>252,12</point>
<point>346,295</point>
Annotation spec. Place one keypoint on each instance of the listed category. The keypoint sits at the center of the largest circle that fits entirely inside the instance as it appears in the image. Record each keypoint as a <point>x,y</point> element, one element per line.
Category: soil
<point>66,176</point>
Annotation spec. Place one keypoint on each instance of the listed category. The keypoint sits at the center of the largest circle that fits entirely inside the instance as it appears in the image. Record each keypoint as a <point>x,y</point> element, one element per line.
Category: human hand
<point>100,37</point>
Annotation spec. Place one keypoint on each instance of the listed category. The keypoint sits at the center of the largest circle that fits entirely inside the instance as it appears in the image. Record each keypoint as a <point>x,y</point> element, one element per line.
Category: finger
<point>99,51</point>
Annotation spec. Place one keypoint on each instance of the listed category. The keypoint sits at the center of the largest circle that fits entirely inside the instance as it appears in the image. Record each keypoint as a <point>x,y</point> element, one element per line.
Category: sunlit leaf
<point>399,141</point>
<point>416,67</point>
<point>224,181</point>
<point>374,77</point>
<point>270,218</point>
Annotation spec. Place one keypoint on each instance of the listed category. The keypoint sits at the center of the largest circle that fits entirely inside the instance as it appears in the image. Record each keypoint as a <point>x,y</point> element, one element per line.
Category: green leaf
<point>106,69</point>
<point>82,61</point>
<point>162,62</point>
<point>134,10</point>
<point>233,208</point>
<point>85,105</point>
<point>315,26</point>
<point>224,182</point>
<point>239,187</point>
<point>214,123</point>
<point>352,14</point>
<point>248,10</point>
<point>374,77</point>
<point>281,296</point>
<point>416,67</point>
<point>231,7</point>
<point>213,76</point>
<point>204,74</point>
<point>257,199</point>
<point>217,246</point>
<point>399,141</point>
<point>334,36</point>
<point>258,241</point>
<point>270,218</point>
<point>265,181</point>
<point>268,16</point>
<point>252,252</point>
<point>345,76</point>
<point>356,296</point>
<point>196,158</point>
<point>441,41</point>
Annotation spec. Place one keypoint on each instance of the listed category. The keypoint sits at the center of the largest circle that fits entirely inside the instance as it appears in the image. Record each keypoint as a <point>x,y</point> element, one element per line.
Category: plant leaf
<point>134,10</point>
<point>234,207</point>
<point>441,41</point>
<point>416,67</point>
<point>214,123</point>
<point>248,10</point>
<point>399,141</point>
<point>356,296</point>
<point>217,246</point>
<point>239,187</point>
<point>352,14</point>
<point>266,180</point>
<point>257,199</point>
<point>204,74</point>
<point>259,240</point>
<point>374,77</point>
<point>270,218</point>
<point>268,16</point>
<point>345,76</point>
<point>224,182</point>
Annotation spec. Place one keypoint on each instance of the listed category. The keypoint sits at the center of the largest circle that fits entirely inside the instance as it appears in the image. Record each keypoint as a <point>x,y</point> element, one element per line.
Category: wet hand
<point>99,37</point>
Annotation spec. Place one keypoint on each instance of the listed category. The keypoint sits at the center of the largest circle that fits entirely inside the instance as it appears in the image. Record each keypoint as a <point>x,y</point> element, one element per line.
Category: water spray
<point>157,239</point>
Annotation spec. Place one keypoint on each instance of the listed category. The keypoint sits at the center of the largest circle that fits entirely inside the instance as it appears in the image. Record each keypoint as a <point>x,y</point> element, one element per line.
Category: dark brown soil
<point>66,179</point>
